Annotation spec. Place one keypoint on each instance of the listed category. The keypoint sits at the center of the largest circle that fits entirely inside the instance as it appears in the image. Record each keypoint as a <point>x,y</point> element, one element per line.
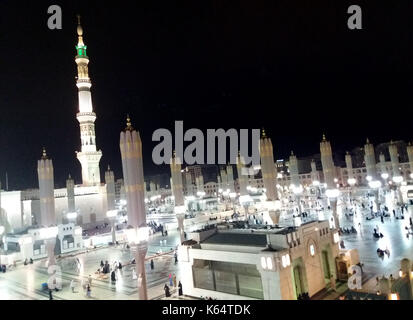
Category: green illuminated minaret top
<point>81,47</point>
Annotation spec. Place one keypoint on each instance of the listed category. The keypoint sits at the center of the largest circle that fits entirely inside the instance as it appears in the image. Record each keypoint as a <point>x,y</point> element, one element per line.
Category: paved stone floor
<point>25,282</point>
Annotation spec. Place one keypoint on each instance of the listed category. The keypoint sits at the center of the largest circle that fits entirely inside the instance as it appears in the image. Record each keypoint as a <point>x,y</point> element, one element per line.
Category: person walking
<point>72,285</point>
<point>152,264</point>
<point>174,280</point>
<point>176,257</point>
<point>180,291</point>
<point>167,292</point>
<point>170,280</point>
<point>50,295</point>
<point>89,280</point>
<point>88,291</point>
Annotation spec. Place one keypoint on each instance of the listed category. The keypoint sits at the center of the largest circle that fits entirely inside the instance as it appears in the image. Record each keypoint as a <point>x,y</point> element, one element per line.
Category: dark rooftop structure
<point>241,239</point>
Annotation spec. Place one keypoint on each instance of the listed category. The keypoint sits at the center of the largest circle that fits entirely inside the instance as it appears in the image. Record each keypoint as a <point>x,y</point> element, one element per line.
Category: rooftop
<point>240,239</point>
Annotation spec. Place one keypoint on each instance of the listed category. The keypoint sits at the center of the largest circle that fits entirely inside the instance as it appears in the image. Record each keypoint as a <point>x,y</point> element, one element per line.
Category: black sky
<point>292,67</point>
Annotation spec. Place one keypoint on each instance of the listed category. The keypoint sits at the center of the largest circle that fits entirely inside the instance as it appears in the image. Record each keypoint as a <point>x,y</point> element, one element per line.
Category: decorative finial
<point>108,167</point>
<point>324,137</point>
<point>174,153</point>
<point>292,152</point>
<point>128,124</point>
<point>44,154</point>
<point>347,152</point>
<point>263,133</point>
<point>70,177</point>
<point>409,144</point>
<point>368,141</point>
<point>79,27</point>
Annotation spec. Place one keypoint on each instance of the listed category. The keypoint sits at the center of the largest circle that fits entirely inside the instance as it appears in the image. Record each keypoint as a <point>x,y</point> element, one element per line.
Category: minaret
<point>394,157</point>
<point>47,202</point>
<point>370,160</point>
<point>176,180</point>
<point>349,166</point>
<point>88,157</point>
<point>328,171</point>
<point>371,167</point>
<point>382,161</point>
<point>70,187</point>
<point>269,175</point>
<point>200,183</point>
<point>410,156</point>
<point>132,167</point>
<point>295,179</point>
<point>110,188</point>
<point>189,184</point>
<point>267,167</point>
<point>314,174</point>
<point>224,179</point>
<point>327,163</point>
<point>242,176</point>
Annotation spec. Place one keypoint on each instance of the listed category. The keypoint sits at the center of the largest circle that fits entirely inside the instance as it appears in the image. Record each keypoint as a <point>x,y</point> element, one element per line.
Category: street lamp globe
<point>397,179</point>
<point>385,176</point>
<point>351,181</point>
<point>375,184</point>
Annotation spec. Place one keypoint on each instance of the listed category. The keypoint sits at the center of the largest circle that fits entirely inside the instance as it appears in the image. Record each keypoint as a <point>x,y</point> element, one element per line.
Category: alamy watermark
<point>216,139</point>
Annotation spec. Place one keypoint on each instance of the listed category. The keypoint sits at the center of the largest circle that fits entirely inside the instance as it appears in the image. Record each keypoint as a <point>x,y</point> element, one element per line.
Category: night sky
<point>292,67</point>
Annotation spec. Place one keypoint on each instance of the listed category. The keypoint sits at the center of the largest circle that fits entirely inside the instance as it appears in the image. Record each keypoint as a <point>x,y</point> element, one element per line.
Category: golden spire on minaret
<point>128,124</point>
<point>324,137</point>
<point>263,133</point>
<point>79,31</point>
<point>44,154</point>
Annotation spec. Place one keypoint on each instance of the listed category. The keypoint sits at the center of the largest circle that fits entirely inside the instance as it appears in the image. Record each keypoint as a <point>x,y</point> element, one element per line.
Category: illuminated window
<point>263,263</point>
<point>312,250</point>
<point>269,263</point>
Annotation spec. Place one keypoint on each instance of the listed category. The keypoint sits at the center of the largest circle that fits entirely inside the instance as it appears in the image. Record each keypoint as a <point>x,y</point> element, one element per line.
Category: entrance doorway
<point>298,280</point>
<point>326,265</point>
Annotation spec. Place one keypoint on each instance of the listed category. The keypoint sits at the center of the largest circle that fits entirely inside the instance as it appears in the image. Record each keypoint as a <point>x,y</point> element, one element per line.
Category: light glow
<point>312,250</point>
<point>351,181</point>
<point>112,213</point>
<point>375,184</point>
<point>269,263</point>
<point>263,263</point>
<point>71,215</point>
<point>332,193</point>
